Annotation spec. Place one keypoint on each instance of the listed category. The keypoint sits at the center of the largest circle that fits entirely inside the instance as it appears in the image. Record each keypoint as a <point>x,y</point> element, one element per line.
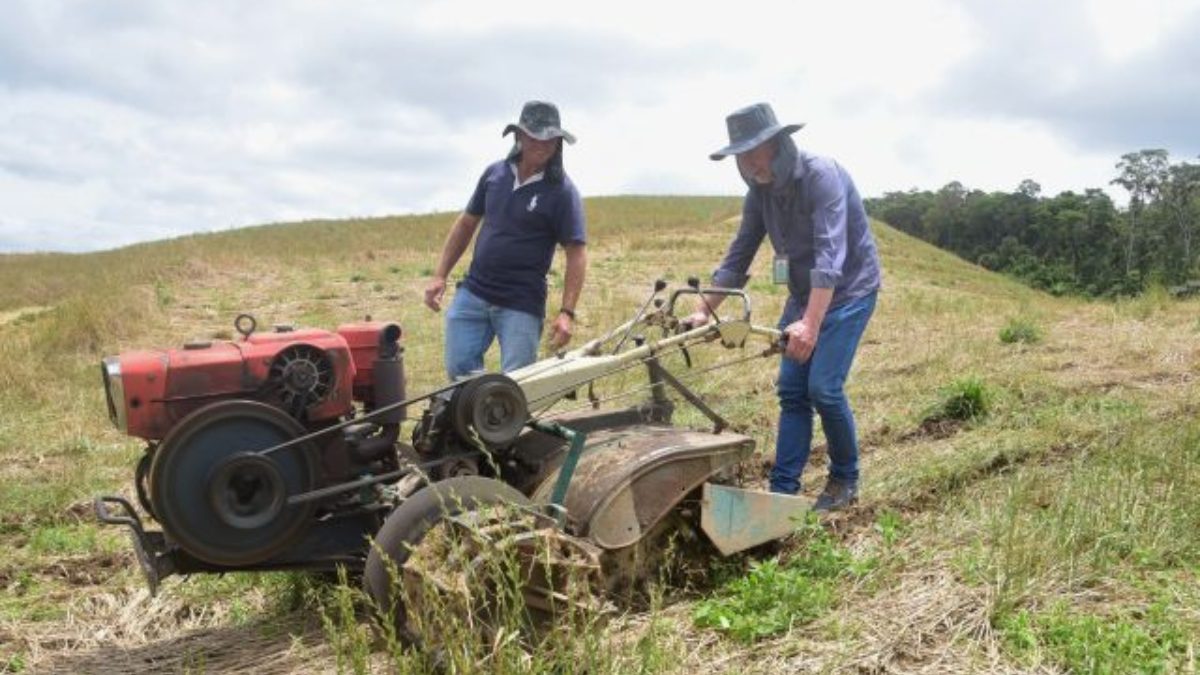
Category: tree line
<point>1071,243</point>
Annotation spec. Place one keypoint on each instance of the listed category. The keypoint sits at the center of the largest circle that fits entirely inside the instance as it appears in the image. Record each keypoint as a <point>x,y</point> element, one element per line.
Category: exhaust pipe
<point>388,373</point>
<point>390,385</point>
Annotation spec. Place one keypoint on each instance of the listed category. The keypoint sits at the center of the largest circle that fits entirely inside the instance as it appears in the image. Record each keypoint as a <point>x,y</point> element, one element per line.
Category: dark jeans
<point>818,385</point>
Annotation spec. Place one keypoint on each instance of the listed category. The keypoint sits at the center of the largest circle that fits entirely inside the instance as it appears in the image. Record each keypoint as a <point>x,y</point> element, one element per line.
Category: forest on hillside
<point>1071,243</point>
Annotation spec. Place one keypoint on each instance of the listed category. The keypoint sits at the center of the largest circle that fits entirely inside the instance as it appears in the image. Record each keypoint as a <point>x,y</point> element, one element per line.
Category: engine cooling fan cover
<point>300,377</point>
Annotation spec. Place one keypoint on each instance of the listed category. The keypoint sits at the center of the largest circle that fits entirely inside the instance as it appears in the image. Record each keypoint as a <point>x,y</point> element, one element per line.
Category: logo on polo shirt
<point>532,204</point>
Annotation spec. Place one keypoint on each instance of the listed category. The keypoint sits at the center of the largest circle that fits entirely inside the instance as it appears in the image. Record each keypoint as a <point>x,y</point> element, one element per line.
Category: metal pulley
<point>490,407</point>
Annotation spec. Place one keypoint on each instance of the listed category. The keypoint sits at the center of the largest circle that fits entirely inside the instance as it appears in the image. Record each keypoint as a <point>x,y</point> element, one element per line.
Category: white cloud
<point>134,120</point>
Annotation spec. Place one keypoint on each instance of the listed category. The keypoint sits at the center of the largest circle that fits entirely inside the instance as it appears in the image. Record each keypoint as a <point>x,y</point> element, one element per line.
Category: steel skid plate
<point>736,519</point>
<point>629,478</point>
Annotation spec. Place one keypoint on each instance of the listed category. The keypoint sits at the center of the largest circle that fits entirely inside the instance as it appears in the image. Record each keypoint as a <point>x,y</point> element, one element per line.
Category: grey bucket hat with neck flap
<point>750,127</point>
<point>540,120</point>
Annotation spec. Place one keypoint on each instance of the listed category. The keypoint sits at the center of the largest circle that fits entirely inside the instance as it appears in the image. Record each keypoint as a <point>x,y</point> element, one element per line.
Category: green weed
<point>1087,643</point>
<point>890,526</point>
<point>770,600</point>
<point>162,294</point>
<point>63,540</point>
<point>1117,525</point>
<point>13,664</point>
<point>774,597</point>
<point>1020,330</point>
<point>964,400</point>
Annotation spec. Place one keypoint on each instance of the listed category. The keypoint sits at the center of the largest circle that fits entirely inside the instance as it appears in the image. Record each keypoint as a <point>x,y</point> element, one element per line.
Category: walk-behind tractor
<point>282,450</point>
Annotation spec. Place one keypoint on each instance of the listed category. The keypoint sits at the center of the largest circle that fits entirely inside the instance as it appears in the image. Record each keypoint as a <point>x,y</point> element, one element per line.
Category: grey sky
<point>125,121</point>
<point>1046,64</point>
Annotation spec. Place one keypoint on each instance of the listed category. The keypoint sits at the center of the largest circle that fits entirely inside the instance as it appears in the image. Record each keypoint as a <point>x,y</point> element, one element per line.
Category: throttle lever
<point>694,284</point>
<point>659,285</point>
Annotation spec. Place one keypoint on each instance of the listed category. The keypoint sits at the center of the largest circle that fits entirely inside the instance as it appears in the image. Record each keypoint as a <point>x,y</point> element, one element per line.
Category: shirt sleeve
<point>570,227</point>
<point>478,203</point>
<point>731,273</point>
<point>828,195</point>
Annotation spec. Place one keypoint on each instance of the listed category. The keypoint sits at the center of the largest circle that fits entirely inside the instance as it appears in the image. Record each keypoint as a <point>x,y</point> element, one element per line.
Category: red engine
<point>313,375</point>
<point>235,469</point>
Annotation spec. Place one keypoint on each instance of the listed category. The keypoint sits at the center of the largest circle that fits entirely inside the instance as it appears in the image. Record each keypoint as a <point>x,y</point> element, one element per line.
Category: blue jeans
<point>471,325</point>
<point>818,385</point>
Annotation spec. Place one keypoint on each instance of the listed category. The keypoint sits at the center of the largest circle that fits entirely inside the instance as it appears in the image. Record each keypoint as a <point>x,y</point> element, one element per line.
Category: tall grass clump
<point>1020,330</point>
<point>1154,300</point>
<point>351,639</point>
<point>1153,642</point>
<point>50,355</point>
<point>964,400</point>
<point>89,324</point>
<point>1097,529</point>
<point>1134,503</point>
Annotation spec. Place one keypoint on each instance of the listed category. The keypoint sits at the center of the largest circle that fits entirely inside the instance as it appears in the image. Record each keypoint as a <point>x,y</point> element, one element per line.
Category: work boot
<point>837,495</point>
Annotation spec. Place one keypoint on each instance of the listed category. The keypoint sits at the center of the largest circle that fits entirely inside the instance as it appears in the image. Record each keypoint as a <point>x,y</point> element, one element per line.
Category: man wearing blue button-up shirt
<point>811,211</point>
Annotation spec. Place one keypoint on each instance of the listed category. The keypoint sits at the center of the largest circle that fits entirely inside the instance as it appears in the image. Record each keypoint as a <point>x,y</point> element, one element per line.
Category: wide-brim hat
<point>540,120</point>
<point>750,127</point>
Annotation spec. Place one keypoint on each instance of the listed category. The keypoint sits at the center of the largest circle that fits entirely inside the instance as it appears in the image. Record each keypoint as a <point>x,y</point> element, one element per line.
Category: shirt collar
<point>517,178</point>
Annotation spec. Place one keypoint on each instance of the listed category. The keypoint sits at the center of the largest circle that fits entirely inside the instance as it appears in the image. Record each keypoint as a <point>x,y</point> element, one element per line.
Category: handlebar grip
<point>726,292</point>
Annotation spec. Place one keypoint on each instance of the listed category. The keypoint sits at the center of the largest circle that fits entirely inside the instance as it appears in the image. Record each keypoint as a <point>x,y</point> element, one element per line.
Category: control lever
<point>694,284</point>
<point>659,285</point>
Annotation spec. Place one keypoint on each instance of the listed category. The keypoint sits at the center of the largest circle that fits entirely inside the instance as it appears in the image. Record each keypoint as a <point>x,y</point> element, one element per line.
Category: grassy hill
<point>1052,526</point>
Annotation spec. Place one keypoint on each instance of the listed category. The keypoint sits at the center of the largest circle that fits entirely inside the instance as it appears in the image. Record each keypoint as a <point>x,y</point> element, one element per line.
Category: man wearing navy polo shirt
<point>528,207</point>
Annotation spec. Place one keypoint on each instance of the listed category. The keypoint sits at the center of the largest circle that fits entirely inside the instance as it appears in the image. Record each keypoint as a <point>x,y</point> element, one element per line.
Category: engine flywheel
<point>220,500</point>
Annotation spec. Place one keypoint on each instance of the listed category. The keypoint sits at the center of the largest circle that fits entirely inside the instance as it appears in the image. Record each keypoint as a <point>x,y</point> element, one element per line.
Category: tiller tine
<point>558,571</point>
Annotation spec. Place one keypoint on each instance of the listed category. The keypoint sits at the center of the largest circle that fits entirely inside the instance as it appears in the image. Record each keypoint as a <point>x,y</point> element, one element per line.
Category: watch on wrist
<point>568,312</point>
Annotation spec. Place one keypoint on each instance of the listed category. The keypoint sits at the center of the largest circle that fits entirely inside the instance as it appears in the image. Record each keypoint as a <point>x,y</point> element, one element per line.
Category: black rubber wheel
<point>412,520</point>
<point>219,500</point>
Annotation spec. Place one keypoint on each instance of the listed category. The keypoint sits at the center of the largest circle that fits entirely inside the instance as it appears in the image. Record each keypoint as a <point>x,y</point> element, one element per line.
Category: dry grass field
<point>1052,528</point>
